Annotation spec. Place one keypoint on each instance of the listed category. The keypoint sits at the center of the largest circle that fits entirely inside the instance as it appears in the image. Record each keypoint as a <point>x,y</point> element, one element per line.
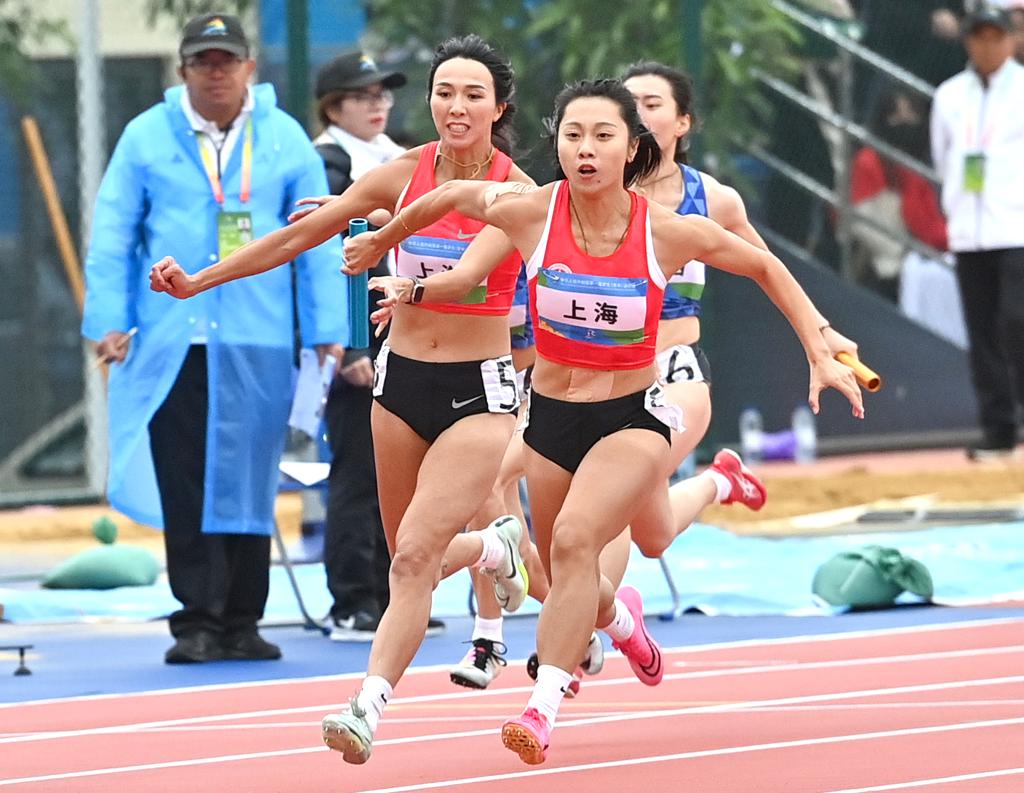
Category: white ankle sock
<point>722,483</point>
<point>622,624</point>
<point>548,691</point>
<point>494,549</point>
<point>487,629</point>
<point>372,698</point>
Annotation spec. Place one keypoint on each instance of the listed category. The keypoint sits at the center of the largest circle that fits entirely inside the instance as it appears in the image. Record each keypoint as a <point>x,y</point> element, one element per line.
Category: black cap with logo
<point>214,32</point>
<point>353,70</point>
<point>987,15</point>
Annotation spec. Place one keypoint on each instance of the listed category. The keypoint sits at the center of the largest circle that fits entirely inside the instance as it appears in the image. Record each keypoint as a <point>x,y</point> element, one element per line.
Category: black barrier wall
<point>756,361</point>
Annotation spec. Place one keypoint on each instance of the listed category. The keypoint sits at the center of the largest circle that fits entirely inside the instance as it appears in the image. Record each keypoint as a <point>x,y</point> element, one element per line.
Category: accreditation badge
<point>234,229</point>
<point>974,173</point>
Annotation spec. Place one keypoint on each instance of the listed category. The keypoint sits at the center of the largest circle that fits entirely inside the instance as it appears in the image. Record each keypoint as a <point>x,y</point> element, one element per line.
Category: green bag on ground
<point>870,577</point>
<point>105,567</point>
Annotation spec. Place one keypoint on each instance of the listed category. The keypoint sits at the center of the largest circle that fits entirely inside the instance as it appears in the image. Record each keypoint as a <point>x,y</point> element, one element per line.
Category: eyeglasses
<point>203,66</point>
<point>384,97</point>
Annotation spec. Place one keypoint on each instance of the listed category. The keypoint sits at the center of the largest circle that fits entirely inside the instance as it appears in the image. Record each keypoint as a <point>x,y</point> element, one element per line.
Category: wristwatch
<point>416,293</point>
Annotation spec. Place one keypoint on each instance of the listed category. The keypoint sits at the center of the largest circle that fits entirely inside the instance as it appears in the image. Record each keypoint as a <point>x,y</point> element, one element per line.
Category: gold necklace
<point>583,231</point>
<point>477,166</point>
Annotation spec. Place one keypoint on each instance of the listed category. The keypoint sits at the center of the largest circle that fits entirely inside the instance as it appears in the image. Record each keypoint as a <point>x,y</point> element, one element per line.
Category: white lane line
<point>450,696</point>
<point>737,706</point>
<point>810,638</point>
<point>936,781</point>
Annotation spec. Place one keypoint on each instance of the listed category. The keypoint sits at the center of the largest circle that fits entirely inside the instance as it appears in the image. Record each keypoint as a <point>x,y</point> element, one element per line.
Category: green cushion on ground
<point>105,567</point>
<point>870,577</point>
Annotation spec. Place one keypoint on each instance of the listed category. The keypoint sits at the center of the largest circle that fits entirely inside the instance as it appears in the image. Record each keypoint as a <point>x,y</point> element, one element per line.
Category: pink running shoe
<point>528,736</point>
<point>643,653</point>
<point>747,489</point>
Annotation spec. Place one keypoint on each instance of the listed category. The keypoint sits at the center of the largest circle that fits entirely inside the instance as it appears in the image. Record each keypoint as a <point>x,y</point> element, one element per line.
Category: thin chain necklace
<point>674,172</point>
<point>583,232</point>
<point>477,166</point>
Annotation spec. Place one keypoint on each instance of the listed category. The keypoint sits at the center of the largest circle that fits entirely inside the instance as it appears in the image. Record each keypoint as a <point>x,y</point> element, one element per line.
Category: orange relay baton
<point>868,378</point>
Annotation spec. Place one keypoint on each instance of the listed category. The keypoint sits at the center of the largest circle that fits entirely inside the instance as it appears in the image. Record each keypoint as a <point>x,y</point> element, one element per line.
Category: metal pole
<point>298,59</point>
<point>844,160</point>
<point>693,57</point>
<point>91,160</point>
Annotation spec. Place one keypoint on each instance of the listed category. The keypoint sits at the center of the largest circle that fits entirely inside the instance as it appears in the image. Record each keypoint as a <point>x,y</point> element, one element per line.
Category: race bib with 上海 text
<point>421,257</point>
<point>592,308</point>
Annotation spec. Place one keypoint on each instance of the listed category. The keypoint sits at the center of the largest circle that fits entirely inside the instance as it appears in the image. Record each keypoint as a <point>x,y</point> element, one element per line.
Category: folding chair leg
<point>308,622</point>
<point>677,607</point>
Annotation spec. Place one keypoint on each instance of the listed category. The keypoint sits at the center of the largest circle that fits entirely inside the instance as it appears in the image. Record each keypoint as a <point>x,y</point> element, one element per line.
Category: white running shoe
<point>593,661</point>
<point>348,733</point>
<point>511,582</point>
<point>482,664</point>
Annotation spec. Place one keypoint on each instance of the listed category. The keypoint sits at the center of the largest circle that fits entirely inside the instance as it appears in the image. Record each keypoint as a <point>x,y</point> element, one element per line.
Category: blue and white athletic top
<point>685,288</point>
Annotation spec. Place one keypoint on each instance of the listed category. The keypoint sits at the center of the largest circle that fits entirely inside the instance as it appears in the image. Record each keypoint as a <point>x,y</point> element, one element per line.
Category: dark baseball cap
<point>351,70</point>
<point>214,32</point>
<point>987,15</point>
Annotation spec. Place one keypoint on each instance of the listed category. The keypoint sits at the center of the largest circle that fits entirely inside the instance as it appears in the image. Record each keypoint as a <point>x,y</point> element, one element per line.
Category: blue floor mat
<point>715,571</point>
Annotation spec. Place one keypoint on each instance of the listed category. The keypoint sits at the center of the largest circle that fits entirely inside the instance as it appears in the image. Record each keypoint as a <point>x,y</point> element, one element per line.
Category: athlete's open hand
<point>309,205</point>
<point>829,373</point>
<point>362,252</point>
<point>168,276</point>
<point>396,290</point>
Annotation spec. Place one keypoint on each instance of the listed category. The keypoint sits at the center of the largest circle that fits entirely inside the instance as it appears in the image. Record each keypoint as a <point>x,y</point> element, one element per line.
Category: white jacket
<point>968,118</point>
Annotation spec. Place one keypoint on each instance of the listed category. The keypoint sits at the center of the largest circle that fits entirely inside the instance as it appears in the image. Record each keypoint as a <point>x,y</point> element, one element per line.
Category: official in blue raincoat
<point>200,393</point>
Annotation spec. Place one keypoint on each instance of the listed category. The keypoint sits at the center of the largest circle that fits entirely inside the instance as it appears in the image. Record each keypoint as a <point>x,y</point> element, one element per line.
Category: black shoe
<point>359,627</point>
<point>435,627</point>
<point>250,646</point>
<point>195,648</point>
<point>990,451</point>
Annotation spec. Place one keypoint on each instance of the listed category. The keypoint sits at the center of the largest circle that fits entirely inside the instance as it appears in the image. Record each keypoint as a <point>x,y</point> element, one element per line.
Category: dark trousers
<point>992,290</point>
<point>221,580</point>
<point>356,556</point>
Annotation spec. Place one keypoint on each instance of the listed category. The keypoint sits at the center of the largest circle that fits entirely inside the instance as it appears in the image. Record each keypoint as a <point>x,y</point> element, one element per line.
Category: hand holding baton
<point>358,298</point>
<point>867,378</point>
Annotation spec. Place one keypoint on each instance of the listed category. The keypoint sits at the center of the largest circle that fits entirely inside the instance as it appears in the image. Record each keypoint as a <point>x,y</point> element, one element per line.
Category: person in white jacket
<point>977,132</point>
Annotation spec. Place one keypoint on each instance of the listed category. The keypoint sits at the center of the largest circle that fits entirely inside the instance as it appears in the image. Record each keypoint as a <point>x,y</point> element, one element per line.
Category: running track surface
<point>938,708</point>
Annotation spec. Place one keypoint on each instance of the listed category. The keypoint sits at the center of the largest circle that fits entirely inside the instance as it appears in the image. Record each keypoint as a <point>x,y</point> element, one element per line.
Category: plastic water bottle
<point>751,434</point>
<point>805,433</point>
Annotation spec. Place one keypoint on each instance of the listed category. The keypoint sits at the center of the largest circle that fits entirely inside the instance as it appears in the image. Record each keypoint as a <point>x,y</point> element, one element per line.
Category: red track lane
<point>809,715</point>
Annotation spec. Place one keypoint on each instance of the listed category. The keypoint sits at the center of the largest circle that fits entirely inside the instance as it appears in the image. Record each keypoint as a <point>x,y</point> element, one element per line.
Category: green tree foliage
<point>21,25</point>
<point>551,42</point>
<point>183,10</point>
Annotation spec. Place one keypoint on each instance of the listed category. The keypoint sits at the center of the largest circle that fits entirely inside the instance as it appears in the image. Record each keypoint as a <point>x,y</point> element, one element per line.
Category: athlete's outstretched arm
<point>729,211</point>
<point>490,248</point>
<point>374,190</point>
<point>678,239</point>
<point>472,198</point>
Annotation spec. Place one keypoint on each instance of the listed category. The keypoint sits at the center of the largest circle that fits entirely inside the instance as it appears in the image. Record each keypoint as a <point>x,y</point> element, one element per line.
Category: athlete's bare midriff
<point>579,384</point>
<point>425,335</point>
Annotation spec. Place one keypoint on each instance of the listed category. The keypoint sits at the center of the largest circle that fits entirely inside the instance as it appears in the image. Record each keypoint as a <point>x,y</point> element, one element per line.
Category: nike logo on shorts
<point>463,236</point>
<point>461,403</point>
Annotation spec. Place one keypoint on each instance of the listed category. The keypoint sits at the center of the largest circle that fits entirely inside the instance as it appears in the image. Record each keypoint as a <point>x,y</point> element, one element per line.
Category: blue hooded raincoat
<point>155,200</point>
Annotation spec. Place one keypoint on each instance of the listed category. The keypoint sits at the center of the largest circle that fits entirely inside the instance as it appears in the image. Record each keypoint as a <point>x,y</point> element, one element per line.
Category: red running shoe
<point>747,489</point>
<point>643,653</point>
<point>528,736</point>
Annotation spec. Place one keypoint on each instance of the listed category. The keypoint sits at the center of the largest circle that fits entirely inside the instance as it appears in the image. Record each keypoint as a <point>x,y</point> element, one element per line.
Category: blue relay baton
<point>358,298</point>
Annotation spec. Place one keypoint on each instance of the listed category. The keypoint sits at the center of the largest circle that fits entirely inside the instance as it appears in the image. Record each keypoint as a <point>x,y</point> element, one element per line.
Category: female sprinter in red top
<point>599,257</point>
<point>445,392</point>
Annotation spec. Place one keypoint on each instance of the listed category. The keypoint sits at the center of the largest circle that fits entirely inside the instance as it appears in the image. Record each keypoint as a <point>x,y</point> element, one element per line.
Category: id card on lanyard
<point>234,229</point>
<point>974,160</point>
